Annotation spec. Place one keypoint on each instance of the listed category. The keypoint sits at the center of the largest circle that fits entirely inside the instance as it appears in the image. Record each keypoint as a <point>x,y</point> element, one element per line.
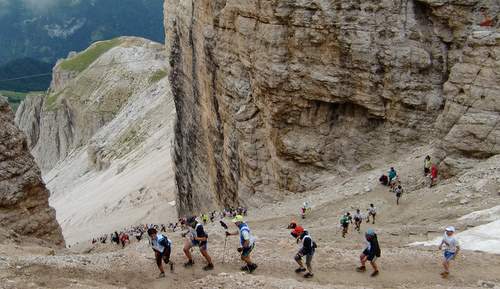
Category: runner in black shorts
<point>307,250</point>
<point>198,238</point>
<point>370,253</point>
<point>162,247</point>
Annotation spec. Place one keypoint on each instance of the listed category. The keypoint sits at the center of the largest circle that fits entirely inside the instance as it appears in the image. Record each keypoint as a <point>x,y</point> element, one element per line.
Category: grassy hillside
<point>81,61</point>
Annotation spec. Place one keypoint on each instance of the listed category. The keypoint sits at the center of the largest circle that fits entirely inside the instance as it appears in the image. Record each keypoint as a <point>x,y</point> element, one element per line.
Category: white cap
<point>450,229</point>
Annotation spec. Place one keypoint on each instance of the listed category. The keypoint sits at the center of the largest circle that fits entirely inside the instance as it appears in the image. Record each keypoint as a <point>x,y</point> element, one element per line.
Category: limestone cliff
<point>271,94</point>
<point>24,208</point>
<point>103,133</point>
<point>87,92</point>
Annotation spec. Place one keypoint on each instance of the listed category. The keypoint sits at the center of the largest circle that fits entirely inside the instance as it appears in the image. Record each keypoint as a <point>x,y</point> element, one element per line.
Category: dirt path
<point>421,216</point>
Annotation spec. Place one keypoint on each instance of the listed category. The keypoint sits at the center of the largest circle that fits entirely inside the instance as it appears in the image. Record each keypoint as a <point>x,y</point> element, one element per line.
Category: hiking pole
<point>225,241</point>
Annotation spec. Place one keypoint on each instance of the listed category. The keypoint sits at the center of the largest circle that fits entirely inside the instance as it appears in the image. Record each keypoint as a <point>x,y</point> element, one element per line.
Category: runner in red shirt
<point>297,230</point>
<point>434,174</point>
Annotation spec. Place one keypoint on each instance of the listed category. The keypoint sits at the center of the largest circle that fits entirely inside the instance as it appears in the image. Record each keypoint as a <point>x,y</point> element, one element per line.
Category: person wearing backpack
<point>247,243</point>
<point>162,247</point>
<point>370,253</point>
<point>296,230</point>
<point>307,250</point>
<point>344,221</point>
<point>198,237</point>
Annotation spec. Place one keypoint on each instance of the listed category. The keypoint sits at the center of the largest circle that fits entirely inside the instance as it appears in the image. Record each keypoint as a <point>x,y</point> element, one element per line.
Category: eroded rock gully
<point>270,94</point>
<point>24,201</point>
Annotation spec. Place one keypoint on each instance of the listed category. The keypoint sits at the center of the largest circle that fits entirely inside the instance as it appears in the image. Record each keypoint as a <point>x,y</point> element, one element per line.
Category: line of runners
<point>197,237</point>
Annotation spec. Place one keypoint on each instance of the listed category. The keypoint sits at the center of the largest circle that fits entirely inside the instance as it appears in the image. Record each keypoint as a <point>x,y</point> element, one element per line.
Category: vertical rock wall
<point>24,208</point>
<point>270,94</point>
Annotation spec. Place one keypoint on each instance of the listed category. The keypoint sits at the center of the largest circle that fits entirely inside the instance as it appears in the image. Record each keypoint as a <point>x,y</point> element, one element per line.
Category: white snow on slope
<point>484,238</point>
<point>488,215</point>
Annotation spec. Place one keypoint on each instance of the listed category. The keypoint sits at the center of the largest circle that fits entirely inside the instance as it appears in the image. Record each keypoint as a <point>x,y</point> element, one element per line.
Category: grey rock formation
<point>470,121</point>
<point>270,94</point>
<point>85,95</point>
<point>103,135</point>
<point>24,208</point>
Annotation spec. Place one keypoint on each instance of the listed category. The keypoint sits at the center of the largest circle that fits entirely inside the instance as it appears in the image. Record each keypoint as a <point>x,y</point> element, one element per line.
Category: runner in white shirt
<point>358,219</point>
<point>162,247</point>
<point>451,249</point>
<point>372,212</point>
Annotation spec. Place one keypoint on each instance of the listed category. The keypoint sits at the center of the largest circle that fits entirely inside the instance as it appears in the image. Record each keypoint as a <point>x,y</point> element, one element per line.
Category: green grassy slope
<point>81,61</point>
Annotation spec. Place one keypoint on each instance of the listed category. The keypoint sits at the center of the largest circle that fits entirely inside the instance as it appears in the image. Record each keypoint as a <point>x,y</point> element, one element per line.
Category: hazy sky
<point>37,6</point>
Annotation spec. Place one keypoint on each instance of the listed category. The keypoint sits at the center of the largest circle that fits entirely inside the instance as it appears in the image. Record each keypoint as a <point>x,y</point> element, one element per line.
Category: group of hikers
<point>393,181</point>
<point>195,235</point>
<point>123,237</point>
<point>357,219</point>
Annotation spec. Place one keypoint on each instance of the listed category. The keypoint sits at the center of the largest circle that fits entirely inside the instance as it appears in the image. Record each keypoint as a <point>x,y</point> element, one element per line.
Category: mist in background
<point>34,34</point>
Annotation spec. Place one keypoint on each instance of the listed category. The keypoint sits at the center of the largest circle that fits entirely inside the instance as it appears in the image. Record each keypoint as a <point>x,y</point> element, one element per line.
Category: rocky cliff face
<point>87,92</point>
<point>24,208</point>
<point>271,94</point>
<point>104,133</point>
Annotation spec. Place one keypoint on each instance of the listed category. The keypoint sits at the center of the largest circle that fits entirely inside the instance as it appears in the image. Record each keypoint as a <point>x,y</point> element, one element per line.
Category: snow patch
<point>484,238</point>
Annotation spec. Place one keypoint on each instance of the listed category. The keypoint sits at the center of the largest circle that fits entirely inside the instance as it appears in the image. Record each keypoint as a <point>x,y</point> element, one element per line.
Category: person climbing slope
<point>344,221</point>
<point>370,253</point>
<point>307,250</point>
<point>427,165</point>
<point>399,192</point>
<point>306,208</point>
<point>392,175</point>
<point>358,219</point>
<point>452,247</point>
<point>372,212</point>
<point>296,230</point>
<point>162,247</point>
<point>434,175</point>
<point>198,237</point>
<point>247,243</point>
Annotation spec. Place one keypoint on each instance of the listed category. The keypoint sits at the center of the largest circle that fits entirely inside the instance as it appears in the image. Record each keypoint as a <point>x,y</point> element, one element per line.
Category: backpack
<point>377,246</point>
